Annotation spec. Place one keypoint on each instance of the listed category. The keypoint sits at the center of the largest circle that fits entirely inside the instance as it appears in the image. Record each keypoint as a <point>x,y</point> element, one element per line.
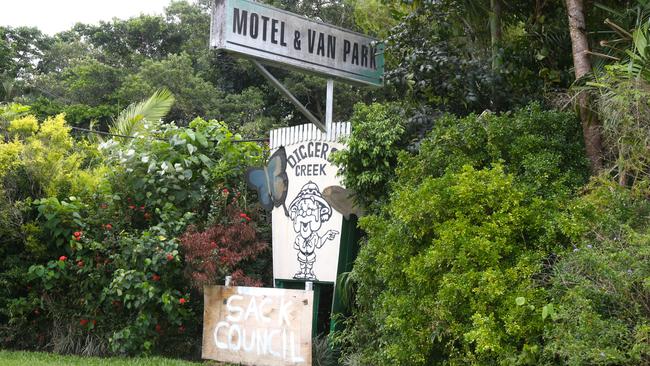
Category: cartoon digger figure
<point>308,211</point>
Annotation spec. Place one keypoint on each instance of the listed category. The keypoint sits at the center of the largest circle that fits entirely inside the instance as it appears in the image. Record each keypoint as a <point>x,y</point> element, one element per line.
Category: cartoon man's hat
<point>310,191</point>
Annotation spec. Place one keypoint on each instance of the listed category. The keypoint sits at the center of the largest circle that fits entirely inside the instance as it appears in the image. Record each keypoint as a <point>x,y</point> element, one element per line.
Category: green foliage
<point>446,263</point>
<point>131,120</point>
<point>367,165</point>
<point>90,256</point>
<point>441,54</point>
<point>542,148</point>
<point>23,127</point>
<point>194,96</point>
<point>109,285</point>
<point>451,269</point>
<point>174,169</point>
<point>600,287</point>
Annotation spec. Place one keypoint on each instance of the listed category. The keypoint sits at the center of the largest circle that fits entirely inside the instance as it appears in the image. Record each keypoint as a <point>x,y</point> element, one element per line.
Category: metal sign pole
<point>275,82</point>
<point>329,104</point>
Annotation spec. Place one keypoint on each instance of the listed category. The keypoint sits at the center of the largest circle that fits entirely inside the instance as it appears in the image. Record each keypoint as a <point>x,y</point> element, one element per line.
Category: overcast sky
<point>52,16</point>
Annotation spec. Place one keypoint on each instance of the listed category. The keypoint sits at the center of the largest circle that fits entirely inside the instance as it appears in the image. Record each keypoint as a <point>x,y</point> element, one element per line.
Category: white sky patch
<point>53,16</point>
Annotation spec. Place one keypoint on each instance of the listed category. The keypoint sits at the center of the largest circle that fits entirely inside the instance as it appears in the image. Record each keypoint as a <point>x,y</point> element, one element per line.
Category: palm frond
<point>131,120</point>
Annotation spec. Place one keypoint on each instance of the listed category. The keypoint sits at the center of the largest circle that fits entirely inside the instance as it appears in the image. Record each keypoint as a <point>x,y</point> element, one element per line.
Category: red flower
<point>244,216</point>
<point>77,234</point>
<point>83,322</point>
<point>63,258</point>
<point>155,277</point>
<point>80,264</point>
<point>109,227</point>
<point>213,245</point>
<point>182,300</point>
<point>170,257</point>
<point>225,191</point>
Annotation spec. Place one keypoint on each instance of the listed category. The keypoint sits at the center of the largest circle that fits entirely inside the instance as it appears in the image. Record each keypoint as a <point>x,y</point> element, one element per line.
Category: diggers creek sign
<point>276,36</point>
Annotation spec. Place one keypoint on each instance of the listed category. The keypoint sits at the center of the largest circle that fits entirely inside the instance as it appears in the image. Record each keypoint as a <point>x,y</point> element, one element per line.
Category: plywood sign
<point>257,326</point>
<point>306,228</point>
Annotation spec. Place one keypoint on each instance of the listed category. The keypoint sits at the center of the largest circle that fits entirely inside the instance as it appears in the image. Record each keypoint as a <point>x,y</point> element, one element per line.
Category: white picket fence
<point>287,136</point>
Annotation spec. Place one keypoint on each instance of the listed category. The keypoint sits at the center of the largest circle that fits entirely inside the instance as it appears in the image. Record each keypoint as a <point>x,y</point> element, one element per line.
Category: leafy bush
<point>91,256</point>
<point>367,164</point>
<point>231,246</point>
<point>116,287</point>
<point>439,275</point>
<point>542,148</point>
<point>600,286</point>
<point>453,268</point>
<point>174,170</point>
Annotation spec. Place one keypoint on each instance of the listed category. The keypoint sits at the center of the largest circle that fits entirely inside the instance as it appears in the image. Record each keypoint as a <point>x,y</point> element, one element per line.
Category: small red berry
<point>63,258</point>
<point>80,264</point>
<point>83,322</point>
<point>182,300</point>
<point>170,257</point>
<point>108,227</point>
<point>77,234</point>
<point>155,277</point>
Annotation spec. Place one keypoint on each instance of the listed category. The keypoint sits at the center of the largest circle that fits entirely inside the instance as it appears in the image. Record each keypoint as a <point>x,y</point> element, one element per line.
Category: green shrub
<point>600,287</point>
<point>90,261</point>
<point>453,270</point>
<point>367,165</point>
<point>542,148</point>
<point>174,170</point>
<point>439,275</point>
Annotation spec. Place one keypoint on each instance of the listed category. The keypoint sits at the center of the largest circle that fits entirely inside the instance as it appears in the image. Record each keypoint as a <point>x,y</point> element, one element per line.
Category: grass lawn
<point>12,358</point>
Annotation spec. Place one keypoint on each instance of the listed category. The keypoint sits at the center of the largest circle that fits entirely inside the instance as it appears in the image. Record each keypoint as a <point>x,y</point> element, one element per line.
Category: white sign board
<point>257,326</point>
<point>279,37</point>
<point>306,236</point>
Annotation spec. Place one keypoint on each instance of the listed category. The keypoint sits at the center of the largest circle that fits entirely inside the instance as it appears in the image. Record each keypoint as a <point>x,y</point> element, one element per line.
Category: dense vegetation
<point>504,226</point>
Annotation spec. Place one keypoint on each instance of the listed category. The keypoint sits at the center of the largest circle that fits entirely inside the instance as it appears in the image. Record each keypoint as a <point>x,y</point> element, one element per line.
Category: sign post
<point>308,233</point>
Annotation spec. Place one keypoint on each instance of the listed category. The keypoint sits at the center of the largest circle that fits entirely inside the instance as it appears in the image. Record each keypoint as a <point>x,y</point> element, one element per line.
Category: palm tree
<point>131,120</point>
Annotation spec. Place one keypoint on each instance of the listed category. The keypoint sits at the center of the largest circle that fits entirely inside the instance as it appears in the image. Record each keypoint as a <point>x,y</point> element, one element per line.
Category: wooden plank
<point>257,326</point>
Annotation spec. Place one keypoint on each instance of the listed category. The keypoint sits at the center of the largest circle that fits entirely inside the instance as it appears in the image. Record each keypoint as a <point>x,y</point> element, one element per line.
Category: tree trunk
<point>582,66</point>
<point>495,32</point>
